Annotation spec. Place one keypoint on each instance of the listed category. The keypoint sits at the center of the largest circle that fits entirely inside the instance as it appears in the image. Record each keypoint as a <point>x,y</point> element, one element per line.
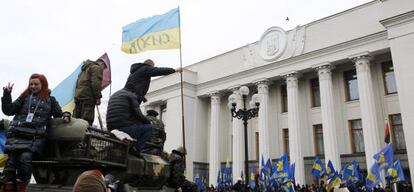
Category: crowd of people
<point>240,186</point>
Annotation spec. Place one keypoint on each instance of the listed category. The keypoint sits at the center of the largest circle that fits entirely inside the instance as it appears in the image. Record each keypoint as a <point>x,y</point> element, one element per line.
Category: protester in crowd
<point>32,111</point>
<point>140,77</point>
<point>177,179</point>
<point>124,114</point>
<point>156,144</point>
<point>88,89</point>
<point>91,181</point>
<point>239,186</point>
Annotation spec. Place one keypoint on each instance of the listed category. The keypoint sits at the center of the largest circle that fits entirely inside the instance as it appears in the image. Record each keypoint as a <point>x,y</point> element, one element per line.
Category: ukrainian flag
<point>3,156</point>
<point>65,91</point>
<point>156,32</point>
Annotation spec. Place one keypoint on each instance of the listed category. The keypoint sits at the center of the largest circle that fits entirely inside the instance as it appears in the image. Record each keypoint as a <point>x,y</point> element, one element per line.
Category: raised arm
<point>8,107</point>
<point>159,71</point>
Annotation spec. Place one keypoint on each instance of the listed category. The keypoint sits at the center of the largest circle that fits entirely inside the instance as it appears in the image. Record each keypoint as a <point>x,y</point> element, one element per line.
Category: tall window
<point>397,132</point>
<point>357,137</point>
<point>389,77</point>
<point>351,84</point>
<point>316,94</point>
<point>283,93</point>
<point>318,135</point>
<point>286,140</point>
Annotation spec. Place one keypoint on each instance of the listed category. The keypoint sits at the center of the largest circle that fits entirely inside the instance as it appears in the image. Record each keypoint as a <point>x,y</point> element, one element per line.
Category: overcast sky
<point>53,37</point>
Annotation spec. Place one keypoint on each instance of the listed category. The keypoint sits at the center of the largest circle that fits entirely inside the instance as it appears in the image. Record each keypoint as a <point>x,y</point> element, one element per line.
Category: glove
<point>122,135</point>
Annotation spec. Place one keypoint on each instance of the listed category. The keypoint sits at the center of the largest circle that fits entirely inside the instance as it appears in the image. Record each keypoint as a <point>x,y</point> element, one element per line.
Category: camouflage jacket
<point>89,83</point>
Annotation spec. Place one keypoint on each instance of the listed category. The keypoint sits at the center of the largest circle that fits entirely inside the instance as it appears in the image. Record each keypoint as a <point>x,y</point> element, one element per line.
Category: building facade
<point>326,89</point>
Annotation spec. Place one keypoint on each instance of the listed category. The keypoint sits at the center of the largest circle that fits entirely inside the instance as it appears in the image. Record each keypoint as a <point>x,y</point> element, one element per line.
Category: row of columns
<point>368,116</point>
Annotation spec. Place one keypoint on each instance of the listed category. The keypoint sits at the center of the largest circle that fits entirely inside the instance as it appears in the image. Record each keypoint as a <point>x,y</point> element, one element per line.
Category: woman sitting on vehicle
<point>26,135</point>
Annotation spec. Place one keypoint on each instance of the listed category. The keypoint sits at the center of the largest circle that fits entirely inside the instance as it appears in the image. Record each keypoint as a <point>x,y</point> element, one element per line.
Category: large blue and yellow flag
<point>65,91</point>
<point>156,32</point>
<point>385,157</point>
<point>318,168</point>
<point>373,177</point>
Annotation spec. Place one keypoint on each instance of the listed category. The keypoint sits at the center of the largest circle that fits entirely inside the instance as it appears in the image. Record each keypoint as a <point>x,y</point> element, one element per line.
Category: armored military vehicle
<point>75,147</point>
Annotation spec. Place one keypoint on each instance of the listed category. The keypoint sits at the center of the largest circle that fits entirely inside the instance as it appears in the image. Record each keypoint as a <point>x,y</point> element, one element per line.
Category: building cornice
<point>398,19</point>
<point>380,36</point>
<point>171,88</point>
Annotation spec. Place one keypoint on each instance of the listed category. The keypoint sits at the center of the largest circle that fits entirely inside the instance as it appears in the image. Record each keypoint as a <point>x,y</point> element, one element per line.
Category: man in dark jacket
<point>124,114</point>
<point>140,77</point>
<point>88,90</point>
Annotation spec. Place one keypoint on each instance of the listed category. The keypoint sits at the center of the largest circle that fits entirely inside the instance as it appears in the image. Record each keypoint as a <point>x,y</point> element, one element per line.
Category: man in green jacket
<point>88,90</point>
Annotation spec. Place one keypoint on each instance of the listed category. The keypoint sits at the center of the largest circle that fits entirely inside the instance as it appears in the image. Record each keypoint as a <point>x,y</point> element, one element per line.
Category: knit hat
<point>88,181</point>
<point>152,113</point>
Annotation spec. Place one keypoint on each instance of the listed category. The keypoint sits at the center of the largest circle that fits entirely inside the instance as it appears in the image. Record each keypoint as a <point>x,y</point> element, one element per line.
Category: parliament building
<point>327,88</point>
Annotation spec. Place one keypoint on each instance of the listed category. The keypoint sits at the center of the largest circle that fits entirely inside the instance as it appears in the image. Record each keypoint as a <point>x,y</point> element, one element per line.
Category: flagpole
<point>181,85</point>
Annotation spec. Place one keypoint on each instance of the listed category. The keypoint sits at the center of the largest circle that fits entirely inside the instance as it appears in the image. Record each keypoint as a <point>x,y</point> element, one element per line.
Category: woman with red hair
<point>26,135</point>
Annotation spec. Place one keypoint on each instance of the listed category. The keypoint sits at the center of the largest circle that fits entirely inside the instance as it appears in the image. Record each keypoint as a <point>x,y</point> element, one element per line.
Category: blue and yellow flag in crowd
<point>318,169</point>
<point>65,91</point>
<point>396,172</point>
<point>3,157</point>
<point>350,172</point>
<point>333,182</point>
<point>281,168</point>
<point>385,157</point>
<point>330,170</point>
<point>373,177</point>
<point>156,32</point>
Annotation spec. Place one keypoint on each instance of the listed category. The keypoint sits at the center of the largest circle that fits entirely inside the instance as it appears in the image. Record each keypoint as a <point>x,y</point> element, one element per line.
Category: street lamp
<point>244,114</point>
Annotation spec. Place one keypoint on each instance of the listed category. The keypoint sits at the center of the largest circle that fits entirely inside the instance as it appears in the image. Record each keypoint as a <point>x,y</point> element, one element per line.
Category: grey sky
<point>53,36</point>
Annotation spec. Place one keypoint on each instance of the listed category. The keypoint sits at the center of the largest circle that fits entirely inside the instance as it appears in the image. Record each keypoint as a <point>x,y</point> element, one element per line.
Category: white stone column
<point>295,142</point>
<point>214,142</point>
<point>238,140</point>
<point>368,108</point>
<point>263,120</point>
<point>330,138</point>
<point>400,30</point>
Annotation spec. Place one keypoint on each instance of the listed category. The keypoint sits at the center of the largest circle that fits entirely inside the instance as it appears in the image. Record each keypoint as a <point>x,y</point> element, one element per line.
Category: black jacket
<point>123,110</point>
<point>35,131</point>
<point>140,77</point>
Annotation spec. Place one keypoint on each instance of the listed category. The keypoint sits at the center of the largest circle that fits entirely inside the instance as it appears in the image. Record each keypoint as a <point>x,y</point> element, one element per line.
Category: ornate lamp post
<point>244,114</point>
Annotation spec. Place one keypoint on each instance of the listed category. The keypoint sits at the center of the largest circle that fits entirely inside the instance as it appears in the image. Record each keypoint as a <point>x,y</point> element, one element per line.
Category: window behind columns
<point>286,140</point>
<point>284,101</point>
<point>397,132</point>
<point>389,78</point>
<point>357,138</point>
<point>318,136</point>
<point>316,96</point>
<point>351,85</point>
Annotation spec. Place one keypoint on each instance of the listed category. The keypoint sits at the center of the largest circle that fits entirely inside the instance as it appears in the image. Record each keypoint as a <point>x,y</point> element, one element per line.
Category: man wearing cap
<point>177,179</point>
<point>158,133</point>
<point>88,90</point>
<point>140,77</point>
